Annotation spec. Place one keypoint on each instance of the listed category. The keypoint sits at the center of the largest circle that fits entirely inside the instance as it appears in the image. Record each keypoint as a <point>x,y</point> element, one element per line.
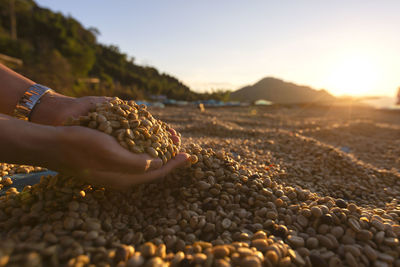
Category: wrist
<point>23,142</point>
<point>49,110</point>
<point>43,145</point>
<point>46,147</point>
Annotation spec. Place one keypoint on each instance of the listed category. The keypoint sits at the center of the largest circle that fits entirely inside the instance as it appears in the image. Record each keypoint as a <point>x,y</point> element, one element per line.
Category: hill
<point>279,91</point>
<point>58,51</point>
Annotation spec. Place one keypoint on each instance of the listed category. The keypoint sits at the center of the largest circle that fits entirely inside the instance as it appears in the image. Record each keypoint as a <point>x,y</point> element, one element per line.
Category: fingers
<point>176,139</point>
<point>154,164</point>
<point>99,99</point>
<point>179,161</point>
<point>125,180</point>
<point>172,131</point>
<point>129,162</point>
<point>105,153</point>
<point>114,166</point>
<point>88,103</point>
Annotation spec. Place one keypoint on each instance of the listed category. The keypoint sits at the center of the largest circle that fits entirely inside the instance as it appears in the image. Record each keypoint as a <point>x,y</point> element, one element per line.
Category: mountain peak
<point>282,92</point>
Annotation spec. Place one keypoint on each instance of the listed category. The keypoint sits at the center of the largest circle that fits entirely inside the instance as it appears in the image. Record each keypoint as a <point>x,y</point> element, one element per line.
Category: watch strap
<point>28,101</point>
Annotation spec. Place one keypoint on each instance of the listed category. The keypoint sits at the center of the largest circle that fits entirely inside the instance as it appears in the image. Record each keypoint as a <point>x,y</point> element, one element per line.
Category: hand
<point>55,109</point>
<point>112,160</point>
<point>79,107</point>
<point>99,159</point>
<point>82,106</point>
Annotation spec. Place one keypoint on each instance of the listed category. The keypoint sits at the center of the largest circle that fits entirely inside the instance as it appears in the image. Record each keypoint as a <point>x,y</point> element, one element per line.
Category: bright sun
<point>354,76</point>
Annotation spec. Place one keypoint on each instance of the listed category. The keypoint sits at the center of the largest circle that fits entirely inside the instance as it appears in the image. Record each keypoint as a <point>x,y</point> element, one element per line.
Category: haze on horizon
<point>345,47</point>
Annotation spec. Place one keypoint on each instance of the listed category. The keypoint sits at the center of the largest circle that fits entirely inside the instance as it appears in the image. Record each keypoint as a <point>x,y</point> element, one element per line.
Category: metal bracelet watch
<point>28,101</point>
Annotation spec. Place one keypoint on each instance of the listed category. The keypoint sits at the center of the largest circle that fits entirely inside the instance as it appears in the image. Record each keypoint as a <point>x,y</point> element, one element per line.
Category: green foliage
<point>222,95</point>
<point>59,52</point>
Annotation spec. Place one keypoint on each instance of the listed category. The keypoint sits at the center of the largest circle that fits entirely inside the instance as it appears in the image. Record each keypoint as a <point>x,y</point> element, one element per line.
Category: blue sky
<point>347,47</point>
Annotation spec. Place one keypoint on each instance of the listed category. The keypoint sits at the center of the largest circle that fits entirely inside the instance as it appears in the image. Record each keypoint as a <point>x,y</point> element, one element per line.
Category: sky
<point>347,47</point>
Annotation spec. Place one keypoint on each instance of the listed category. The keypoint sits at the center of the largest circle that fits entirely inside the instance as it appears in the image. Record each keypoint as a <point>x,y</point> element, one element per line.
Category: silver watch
<point>28,101</point>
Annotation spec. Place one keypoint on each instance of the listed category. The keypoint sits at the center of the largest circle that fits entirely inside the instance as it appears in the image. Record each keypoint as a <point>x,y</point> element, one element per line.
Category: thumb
<point>179,161</point>
<point>124,180</point>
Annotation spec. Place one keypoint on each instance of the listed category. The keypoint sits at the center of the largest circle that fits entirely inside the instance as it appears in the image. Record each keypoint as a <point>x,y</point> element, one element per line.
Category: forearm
<point>12,88</point>
<point>23,142</point>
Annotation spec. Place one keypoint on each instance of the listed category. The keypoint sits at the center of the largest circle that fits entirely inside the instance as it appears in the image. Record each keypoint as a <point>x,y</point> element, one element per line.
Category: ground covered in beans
<point>274,186</point>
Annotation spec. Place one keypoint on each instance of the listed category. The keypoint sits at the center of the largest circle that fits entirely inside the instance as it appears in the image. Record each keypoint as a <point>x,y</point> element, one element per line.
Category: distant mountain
<point>279,91</point>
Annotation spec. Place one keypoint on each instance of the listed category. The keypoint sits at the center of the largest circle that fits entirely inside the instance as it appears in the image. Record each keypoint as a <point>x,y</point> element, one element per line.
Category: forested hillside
<point>58,51</point>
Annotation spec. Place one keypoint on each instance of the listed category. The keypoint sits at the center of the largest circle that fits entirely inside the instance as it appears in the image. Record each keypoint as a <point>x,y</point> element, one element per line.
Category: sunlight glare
<point>354,76</point>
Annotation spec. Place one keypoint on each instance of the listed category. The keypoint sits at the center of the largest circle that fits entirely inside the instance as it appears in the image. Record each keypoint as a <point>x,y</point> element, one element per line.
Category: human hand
<point>54,109</point>
<point>79,107</point>
<point>99,159</point>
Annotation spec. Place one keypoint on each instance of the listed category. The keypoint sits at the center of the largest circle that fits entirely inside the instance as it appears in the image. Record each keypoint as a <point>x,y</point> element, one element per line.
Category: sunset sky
<point>346,47</point>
